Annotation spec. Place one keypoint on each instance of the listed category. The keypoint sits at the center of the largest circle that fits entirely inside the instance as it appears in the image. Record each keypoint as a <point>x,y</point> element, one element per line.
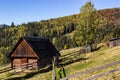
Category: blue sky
<point>23,11</point>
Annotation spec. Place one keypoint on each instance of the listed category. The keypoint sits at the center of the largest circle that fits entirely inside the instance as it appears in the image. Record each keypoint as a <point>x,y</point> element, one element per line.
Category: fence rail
<point>92,70</point>
<point>103,74</point>
<point>22,67</point>
<point>5,70</point>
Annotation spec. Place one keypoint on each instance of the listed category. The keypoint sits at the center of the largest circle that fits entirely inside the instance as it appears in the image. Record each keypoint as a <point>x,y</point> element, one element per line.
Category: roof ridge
<point>34,37</point>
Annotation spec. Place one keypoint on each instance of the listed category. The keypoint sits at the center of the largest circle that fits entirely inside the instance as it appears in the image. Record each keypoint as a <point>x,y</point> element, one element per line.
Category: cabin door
<point>24,62</point>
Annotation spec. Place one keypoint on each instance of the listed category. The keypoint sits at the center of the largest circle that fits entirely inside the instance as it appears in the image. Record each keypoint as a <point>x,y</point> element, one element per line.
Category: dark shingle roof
<point>42,46</point>
<point>114,39</point>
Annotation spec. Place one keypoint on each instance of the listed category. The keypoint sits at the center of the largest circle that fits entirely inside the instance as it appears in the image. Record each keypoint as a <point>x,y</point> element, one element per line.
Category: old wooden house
<point>114,42</point>
<point>32,50</point>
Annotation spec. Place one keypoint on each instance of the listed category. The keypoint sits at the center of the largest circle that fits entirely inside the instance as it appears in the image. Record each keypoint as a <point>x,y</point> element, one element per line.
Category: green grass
<point>75,65</point>
<point>5,66</point>
<point>69,51</point>
<point>43,74</point>
<point>95,59</point>
<point>97,72</point>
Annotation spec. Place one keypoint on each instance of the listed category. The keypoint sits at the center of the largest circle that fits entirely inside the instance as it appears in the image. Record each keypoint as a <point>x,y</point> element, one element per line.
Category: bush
<point>65,47</point>
<point>3,59</point>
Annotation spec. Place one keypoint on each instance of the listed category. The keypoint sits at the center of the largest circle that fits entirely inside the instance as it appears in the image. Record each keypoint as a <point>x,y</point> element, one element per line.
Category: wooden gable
<point>23,50</point>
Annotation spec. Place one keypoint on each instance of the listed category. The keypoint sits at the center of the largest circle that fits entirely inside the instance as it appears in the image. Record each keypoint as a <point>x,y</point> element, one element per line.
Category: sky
<point>23,11</point>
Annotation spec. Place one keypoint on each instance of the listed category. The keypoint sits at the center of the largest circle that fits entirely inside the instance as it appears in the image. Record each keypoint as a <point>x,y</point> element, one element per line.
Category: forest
<point>88,27</point>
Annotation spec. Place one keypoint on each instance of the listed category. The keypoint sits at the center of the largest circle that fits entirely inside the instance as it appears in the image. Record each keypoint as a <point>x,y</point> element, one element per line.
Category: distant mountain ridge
<point>3,25</point>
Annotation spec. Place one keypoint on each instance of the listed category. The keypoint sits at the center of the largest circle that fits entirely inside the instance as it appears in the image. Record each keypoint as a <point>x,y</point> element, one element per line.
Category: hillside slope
<point>59,30</point>
<point>74,65</point>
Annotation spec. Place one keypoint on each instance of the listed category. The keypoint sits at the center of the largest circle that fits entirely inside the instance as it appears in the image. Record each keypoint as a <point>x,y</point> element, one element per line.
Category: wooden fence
<point>53,68</point>
<point>27,66</point>
<point>5,70</point>
<point>69,56</point>
<point>21,68</point>
<point>93,70</point>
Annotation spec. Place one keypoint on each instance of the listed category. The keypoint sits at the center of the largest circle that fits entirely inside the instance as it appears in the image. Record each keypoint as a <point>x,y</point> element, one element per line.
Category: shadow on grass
<point>31,74</point>
<point>96,49</point>
<point>73,61</point>
<point>100,47</point>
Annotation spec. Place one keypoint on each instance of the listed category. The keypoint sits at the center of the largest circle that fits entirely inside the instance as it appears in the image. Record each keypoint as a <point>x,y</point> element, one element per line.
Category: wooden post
<point>53,66</point>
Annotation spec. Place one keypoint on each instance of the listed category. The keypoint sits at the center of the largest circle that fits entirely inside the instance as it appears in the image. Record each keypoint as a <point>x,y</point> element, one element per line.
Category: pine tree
<point>12,24</point>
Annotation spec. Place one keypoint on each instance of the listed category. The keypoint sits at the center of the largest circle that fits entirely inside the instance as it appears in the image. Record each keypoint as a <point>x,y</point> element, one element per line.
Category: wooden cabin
<point>114,42</point>
<point>32,50</point>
